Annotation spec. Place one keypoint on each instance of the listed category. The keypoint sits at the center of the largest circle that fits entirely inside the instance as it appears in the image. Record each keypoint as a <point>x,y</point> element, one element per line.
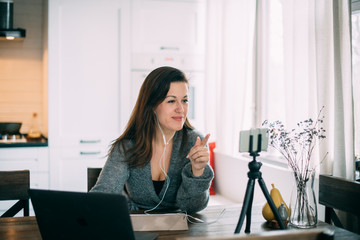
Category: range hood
<point>7,32</point>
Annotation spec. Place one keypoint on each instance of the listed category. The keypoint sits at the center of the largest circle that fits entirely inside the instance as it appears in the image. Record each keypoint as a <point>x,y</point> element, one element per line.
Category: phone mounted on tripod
<point>255,141</point>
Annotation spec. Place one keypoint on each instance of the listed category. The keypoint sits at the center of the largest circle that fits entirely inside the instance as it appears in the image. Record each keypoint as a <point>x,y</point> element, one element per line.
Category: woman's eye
<point>173,101</point>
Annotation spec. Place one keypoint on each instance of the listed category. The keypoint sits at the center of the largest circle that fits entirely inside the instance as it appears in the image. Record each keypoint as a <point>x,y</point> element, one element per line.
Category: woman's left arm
<point>193,193</point>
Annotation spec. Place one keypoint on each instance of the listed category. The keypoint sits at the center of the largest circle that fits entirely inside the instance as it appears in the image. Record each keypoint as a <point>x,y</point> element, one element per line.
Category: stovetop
<point>15,138</point>
<point>21,140</point>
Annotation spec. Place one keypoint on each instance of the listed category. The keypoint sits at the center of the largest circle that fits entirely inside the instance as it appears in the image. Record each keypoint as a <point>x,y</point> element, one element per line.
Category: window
<point>273,82</point>
<point>279,61</point>
<point>355,20</point>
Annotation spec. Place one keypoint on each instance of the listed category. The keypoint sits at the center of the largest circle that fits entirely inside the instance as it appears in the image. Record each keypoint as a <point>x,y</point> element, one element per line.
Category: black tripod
<point>254,173</point>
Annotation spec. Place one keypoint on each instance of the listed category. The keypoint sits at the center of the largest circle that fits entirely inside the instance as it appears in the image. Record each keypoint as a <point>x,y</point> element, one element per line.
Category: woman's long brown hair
<point>142,123</point>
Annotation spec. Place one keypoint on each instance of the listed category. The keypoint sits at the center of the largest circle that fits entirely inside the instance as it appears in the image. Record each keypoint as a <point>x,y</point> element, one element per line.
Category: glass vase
<point>303,201</point>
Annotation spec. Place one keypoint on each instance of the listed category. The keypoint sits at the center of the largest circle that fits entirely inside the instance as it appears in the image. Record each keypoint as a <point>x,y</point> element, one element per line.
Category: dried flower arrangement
<point>297,146</point>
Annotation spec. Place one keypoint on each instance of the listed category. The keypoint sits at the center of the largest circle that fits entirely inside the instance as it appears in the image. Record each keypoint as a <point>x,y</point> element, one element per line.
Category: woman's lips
<point>178,118</point>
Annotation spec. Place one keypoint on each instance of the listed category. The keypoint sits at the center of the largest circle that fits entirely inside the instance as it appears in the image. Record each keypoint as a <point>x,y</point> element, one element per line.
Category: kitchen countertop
<point>41,143</point>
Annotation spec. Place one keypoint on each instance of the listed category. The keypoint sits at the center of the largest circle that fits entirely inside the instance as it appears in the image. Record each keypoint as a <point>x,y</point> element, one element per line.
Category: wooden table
<point>20,228</point>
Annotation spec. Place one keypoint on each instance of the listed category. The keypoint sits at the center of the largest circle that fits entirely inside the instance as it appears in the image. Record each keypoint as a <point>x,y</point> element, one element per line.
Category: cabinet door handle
<point>90,153</point>
<point>169,48</point>
<point>90,141</point>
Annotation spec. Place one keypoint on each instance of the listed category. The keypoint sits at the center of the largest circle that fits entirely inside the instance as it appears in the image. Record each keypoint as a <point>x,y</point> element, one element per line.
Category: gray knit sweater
<point>185,192</point>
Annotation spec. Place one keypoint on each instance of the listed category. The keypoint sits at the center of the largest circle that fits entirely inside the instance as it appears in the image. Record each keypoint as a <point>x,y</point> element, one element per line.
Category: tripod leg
<point>248,214</point>
<point>247,198</point>
<point>271,203</point>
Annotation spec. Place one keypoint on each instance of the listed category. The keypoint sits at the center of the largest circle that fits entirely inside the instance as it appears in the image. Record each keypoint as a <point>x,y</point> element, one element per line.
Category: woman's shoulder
<point>121,146</point>
<point>123,141</point>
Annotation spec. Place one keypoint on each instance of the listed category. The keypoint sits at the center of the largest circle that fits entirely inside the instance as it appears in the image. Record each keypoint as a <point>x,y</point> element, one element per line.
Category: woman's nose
<point>179,107</point>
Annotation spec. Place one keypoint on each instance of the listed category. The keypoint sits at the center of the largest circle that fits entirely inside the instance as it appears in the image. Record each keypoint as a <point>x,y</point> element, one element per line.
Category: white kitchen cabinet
<point>87,62</point>
<point>34,159</point>
<point>72,164</point>
<point>89,66</point>
<point>170,33</point>
<point>155,60</point>
<point>196,99</point>
<point>162,27</point>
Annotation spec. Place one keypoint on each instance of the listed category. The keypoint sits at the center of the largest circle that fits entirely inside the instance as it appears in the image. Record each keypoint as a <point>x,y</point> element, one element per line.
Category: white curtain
<point>317,44</point>
<point>316,71</point>
<point>333,41</point>
<point>229,62</point>
<point>333,60</point>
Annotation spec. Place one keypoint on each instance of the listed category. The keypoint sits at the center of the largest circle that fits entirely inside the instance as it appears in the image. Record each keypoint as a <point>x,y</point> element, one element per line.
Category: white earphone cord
<point>167,180</point>
<point>162,165</point>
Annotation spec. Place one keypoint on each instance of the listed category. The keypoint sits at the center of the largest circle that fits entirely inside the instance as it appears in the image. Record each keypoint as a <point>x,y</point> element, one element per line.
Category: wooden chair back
<point>15,185</point>
<point>341,194</point>
<point>92,176</point>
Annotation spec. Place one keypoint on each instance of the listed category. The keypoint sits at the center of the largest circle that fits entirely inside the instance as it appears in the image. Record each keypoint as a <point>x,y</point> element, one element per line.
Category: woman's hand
<point>199,156</point>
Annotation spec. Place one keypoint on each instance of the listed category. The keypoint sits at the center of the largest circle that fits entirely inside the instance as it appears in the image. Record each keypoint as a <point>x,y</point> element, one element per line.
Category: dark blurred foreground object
<point>15,185</point>
<point>339,194</point>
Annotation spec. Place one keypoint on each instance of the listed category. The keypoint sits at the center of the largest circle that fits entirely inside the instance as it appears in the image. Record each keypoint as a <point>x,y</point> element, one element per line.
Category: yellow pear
<point>277,199</point>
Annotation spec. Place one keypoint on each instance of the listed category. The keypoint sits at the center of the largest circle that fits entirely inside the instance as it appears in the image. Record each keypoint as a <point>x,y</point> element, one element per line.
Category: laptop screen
<point>82,215</point>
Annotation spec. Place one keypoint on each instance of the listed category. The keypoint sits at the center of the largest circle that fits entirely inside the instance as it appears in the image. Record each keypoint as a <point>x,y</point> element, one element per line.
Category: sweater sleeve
<point>114,174</point>
<point>193,193</point>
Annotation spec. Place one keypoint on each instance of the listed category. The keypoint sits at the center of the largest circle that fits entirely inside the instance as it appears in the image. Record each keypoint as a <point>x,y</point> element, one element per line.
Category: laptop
<point>81,215</point>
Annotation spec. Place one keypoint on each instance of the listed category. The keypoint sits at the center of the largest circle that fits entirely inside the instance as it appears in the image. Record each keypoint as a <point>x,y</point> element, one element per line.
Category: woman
<point>160,159</point>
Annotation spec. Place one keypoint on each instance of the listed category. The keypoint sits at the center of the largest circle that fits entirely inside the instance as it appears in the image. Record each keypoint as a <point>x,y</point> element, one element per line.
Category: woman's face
<point>173,110</point>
